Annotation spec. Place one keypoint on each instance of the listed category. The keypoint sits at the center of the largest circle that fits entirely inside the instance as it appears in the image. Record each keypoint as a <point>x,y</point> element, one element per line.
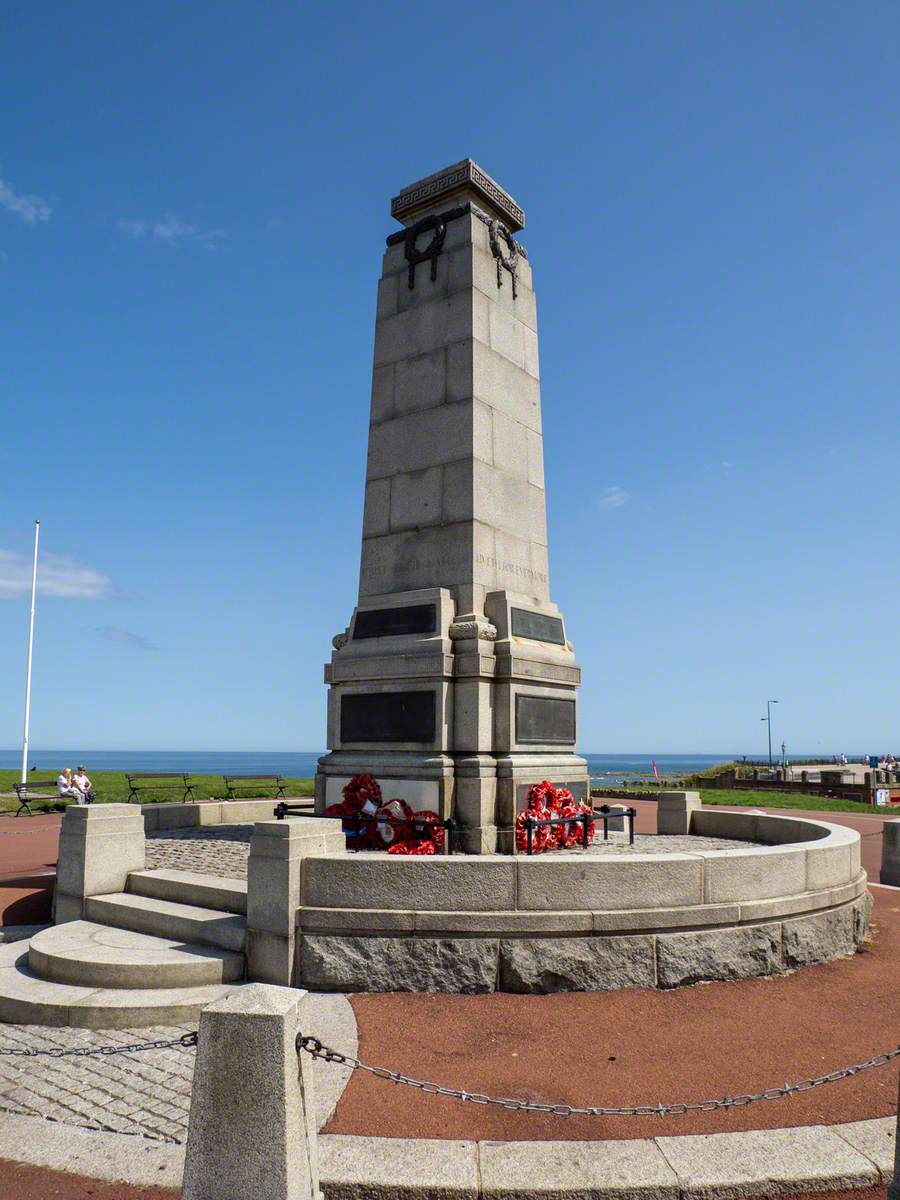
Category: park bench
<point>25,795</point>
<point>134,788</point>
<point>250,782</point>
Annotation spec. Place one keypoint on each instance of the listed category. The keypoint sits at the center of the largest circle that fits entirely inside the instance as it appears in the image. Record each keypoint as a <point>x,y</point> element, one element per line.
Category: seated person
<point>66,786</point>
<point>84,785</point>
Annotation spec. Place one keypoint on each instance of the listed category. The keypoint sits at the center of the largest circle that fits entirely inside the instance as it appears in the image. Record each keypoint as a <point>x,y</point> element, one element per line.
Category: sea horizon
<point>302,763</point>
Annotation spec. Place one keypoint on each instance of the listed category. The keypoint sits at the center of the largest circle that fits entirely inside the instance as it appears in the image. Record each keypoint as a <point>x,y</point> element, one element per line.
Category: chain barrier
<point>315,1048</point>
<point>186,1040</point>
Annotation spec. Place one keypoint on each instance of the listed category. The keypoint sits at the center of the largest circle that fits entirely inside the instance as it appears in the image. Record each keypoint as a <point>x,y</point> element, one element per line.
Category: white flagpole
<point>37,529</point>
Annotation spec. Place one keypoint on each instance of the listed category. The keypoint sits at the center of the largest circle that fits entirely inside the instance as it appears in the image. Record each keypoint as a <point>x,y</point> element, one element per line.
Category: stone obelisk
<point>454,683</point>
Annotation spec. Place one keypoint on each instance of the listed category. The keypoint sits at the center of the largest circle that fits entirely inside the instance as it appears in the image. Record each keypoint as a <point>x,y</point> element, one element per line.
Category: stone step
<point>166,919</point>
<point>190,887</point>
<point>26,999</point>
<point>101,956</point>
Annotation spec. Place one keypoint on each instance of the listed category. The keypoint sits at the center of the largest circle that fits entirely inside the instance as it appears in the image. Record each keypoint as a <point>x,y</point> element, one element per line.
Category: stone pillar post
<point>893,1192</point>
<point>251,1130</point>
<point>673,814</point>
<point>890,852</point>
<point>98,845</point>
<point>277,850</point>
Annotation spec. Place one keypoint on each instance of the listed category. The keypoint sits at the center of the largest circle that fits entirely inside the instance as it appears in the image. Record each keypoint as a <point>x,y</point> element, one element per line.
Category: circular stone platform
<point>746,894</point>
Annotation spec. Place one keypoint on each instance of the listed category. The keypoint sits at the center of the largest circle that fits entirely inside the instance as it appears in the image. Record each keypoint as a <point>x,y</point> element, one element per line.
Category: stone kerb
<point>251,1130</point>
<point>99,844</point>
<point>274,875</point>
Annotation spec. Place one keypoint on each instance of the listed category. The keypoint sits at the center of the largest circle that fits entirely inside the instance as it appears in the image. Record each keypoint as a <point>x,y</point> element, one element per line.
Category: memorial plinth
<point>455,683</point>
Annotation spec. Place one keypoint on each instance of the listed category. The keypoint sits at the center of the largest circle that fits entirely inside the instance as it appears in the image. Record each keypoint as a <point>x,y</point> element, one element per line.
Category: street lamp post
<point>768,720</point>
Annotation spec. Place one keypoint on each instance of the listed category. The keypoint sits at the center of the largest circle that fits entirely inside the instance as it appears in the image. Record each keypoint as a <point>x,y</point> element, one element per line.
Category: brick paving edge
<point>718,1166</point>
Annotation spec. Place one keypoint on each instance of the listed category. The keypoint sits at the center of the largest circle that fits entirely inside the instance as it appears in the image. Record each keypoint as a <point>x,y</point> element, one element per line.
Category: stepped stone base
<point>27,999</point>
<point>91,955</point>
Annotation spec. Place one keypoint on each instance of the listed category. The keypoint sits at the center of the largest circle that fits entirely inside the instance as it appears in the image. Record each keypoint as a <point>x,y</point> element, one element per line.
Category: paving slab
<point>765,1162</point>
<point>397,1168</point>
<point>628,1170</point>
<point>875,1139</point>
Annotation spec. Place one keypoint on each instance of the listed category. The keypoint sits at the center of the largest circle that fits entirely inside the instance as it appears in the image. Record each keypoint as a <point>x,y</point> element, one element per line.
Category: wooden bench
<point>25,795</point>
<point>248,783</point>
<point>184,786</point>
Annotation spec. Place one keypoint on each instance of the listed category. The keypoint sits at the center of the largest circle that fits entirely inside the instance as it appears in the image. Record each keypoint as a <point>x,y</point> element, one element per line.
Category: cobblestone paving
<point>223,850</point>
<point>145,1093</point>
<point>651,843</point>
<point>220,850</point>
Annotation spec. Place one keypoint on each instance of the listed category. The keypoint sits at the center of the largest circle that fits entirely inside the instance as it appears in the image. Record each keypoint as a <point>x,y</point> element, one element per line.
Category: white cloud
<point>724,465</point>
<point>32,209</point>
<point>167,229</point>
<point>112,633</point>
<point>613,497</point>
<point>57,576</point>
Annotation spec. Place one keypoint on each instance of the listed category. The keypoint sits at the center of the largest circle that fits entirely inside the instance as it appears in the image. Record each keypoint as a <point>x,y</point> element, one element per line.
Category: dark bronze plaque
<point>388,622</point>
<point>541,719</point>
<point>537,626</point>
<point>387,717</point>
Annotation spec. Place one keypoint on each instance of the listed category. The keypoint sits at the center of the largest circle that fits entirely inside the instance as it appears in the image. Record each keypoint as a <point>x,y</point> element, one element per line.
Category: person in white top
<point>66,785</point>
<point>83,784</point>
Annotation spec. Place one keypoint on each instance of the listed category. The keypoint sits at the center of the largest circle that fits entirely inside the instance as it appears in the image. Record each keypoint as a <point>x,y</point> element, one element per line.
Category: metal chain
<point>186,1040</point>
<point>314,1047</point>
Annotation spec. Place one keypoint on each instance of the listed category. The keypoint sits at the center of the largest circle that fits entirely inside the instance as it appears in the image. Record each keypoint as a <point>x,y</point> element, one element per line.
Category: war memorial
<point>454,845</point>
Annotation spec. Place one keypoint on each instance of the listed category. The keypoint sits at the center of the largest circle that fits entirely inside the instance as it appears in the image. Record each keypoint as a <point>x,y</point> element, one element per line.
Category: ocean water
<point>302,764</point>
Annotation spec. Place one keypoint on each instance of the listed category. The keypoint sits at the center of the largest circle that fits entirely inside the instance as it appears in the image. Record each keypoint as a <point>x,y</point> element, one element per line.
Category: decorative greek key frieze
<point>451,179</point>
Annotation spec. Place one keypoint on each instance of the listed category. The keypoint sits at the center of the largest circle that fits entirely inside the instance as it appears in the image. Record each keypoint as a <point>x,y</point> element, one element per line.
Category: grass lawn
<point>767,799</point>
<point>112,788</point>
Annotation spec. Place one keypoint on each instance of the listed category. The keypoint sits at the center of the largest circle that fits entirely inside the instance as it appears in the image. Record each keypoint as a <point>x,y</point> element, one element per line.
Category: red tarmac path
<point>614,1047</point>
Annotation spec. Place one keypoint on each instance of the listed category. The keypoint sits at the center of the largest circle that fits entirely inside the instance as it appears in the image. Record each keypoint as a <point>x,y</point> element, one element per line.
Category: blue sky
<point>193,206</point>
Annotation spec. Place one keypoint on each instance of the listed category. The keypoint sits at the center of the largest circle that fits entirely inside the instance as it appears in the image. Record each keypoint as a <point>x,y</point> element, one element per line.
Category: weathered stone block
<point>674,811</point>
<point>576,964</point>
<point>862,913</point>
<point>396,881</point>
<point>757,873</point>
<point>377,512</point>
<point>387,964</point>
<point>416,498</point>
<point>717,954</point>
<point>818,937</point>
<point>638,881</point>
<point>420,382</point>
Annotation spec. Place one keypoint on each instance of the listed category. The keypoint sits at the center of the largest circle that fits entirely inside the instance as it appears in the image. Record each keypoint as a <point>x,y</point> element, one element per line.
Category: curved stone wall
<point>377,922</point>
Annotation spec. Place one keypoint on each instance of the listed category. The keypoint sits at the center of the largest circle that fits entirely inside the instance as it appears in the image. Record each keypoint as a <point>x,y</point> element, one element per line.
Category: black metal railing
<point>585,819</point>
<point>422,827</point>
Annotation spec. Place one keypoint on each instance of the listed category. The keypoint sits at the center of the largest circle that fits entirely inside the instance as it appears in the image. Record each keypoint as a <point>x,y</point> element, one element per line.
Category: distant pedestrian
<point>84,785</point>
<point>66,785</point>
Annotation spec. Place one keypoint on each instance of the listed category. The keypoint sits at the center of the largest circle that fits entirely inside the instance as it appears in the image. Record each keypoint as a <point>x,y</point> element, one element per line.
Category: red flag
<point>655,770</point>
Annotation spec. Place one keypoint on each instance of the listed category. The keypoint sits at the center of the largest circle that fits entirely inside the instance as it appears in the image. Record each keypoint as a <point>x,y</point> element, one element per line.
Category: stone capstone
<point>590,964</point>
<point>372,964</point>
<point>718,954</point>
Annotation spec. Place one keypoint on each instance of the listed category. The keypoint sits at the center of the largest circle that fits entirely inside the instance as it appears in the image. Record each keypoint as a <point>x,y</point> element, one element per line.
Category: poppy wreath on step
<point>544,803</point>
<point>363,798</point>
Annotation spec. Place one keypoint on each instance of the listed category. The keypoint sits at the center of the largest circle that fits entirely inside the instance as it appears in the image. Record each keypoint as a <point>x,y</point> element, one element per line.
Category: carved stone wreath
<point>434,222</point>
<point>498,232</point>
